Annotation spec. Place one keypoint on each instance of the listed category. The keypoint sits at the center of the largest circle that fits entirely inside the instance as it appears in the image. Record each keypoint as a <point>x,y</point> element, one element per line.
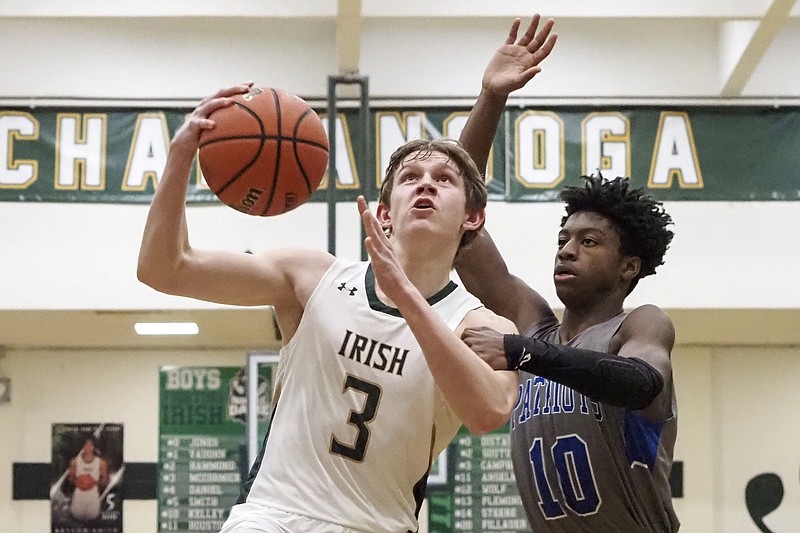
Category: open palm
<point>516,62</point>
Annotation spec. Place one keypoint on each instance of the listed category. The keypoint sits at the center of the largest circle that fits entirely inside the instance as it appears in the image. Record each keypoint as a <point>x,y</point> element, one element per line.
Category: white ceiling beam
<point>717,9</point>
<point>560,9</point>
<point>744,43</point>
<point>173,8</point>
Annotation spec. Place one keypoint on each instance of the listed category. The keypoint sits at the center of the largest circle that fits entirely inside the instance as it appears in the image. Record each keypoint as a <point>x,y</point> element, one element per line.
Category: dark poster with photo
<point>85,494</point>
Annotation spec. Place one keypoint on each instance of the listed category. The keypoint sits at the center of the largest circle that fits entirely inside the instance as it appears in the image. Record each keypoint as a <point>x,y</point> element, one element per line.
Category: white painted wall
<point>149,49</point>
<point>77,256</point>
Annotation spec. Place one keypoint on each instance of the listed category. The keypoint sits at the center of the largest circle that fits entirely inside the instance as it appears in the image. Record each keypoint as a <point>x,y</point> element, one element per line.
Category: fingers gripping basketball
<point>267,153</point>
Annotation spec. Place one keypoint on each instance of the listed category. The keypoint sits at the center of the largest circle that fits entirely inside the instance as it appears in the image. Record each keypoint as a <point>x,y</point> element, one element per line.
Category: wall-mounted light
<point>166,328</point>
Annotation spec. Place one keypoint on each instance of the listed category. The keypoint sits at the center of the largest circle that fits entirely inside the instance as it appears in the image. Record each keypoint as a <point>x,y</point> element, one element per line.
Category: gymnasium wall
<point>735,425</point>
<point>78,386</point>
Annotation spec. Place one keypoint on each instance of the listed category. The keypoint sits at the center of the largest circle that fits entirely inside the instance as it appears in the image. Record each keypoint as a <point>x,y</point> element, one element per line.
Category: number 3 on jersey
<point>359,419</point>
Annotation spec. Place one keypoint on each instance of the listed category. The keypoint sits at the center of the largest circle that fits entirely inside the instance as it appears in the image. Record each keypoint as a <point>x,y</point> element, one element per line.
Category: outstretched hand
<point>188,135</point>
<point>488,344</point>
<point>516,62</point>
<point>388,271</point>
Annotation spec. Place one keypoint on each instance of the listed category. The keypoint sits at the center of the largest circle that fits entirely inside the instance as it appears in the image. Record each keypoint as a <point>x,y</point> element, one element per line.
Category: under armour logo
<point>524,358</point>
<point>344,287</point>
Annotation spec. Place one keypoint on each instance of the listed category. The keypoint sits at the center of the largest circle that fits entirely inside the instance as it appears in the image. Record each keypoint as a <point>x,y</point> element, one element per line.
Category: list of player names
<point>485,495</point>
<point>199,481</point>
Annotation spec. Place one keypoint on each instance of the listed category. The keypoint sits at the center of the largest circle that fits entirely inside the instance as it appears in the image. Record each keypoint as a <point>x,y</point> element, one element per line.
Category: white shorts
<point>85,504</point>
<point>253,518</point>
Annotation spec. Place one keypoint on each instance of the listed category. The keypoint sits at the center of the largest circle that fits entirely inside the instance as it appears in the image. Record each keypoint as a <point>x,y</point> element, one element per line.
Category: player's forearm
<point>165,237</point>
<point>621,381</point>
<point>484,273</point>
<point>479,131</point>
<point>481,262</point>
<point>472,389</point>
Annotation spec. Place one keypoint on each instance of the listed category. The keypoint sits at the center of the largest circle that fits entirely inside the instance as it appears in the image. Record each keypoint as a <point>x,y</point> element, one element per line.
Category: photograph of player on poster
<point>87,474</point>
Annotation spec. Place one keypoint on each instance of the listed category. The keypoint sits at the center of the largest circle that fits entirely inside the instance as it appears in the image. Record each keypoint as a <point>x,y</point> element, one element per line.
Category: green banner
<point>694,153</point>
<point>202,454</point>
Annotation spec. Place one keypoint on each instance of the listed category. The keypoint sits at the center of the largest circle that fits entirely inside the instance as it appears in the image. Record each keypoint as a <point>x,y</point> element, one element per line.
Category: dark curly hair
<point>639,218</point>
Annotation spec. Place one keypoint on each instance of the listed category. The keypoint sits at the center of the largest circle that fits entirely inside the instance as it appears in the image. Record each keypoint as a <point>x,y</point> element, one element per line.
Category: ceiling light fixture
<point>166,328</point>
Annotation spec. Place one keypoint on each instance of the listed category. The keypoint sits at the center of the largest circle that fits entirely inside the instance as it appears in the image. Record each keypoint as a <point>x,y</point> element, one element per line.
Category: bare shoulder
<point>483,317</point>
<point>647,324</point>
<point>287,278</point>
<point>300,268</point>
<point>298,260</point>
<point>650,317</point>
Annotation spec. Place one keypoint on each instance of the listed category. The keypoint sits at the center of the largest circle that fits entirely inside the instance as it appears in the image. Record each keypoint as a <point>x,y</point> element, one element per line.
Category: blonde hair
<point>474,186</point>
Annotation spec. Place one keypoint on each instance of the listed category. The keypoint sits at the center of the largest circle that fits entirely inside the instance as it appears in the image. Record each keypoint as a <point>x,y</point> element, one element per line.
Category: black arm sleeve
<point>620,381</point>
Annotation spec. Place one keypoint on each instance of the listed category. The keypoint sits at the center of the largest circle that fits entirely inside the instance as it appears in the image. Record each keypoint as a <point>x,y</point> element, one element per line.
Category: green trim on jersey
<point>377,305</point>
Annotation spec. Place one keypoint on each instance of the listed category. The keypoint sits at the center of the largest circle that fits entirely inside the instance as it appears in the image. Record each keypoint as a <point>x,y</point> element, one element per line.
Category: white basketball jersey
<point>358,418</point>
<point>85,504</point>
<point>91,468</point>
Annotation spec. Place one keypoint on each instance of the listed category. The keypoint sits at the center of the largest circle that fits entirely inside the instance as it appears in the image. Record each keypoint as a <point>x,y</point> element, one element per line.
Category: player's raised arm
<point>513,65</point>
<point>480,265</point>
<point>485,274</point>
<point>168,262</point>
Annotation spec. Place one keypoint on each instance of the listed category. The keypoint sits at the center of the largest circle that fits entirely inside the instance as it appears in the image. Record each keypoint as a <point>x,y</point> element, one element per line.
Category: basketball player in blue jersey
<point>373,380</point>
<point>594,428</point>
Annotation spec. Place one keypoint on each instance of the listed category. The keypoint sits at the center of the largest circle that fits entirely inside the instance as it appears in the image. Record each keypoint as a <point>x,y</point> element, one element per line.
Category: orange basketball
<point>85,482</point>
<point>266,154</point>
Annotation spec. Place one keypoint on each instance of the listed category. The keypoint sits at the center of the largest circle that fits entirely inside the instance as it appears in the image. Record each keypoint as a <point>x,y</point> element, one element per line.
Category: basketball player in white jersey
<point>374,380</point>
<point>89,473</point>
